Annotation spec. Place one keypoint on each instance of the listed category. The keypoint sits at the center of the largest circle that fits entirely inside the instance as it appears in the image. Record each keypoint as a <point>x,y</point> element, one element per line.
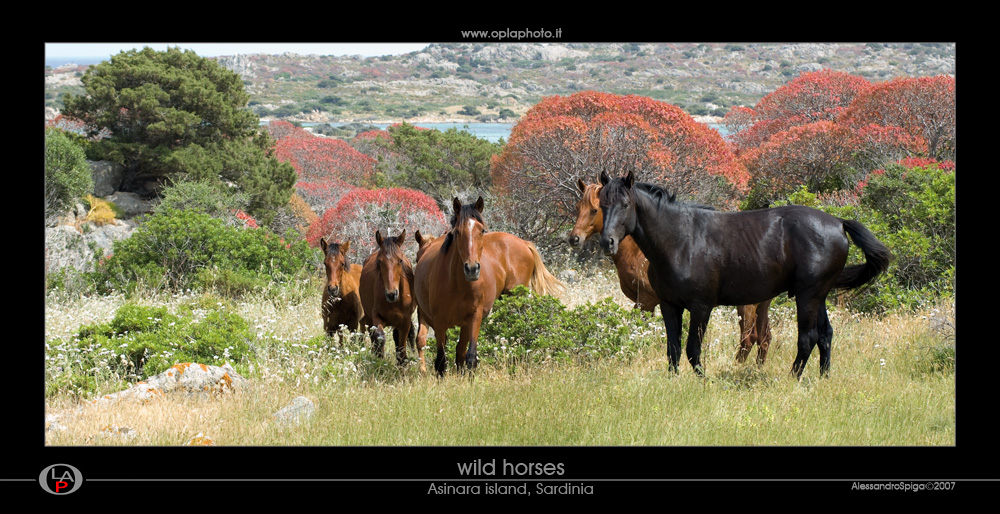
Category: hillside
<point>482,81</point>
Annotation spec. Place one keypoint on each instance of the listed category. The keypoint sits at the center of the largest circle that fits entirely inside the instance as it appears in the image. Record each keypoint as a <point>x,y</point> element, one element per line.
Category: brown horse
<point>386,294</point>
<point>632,268</point>
<point>460,275</point>
<point>341,301</point>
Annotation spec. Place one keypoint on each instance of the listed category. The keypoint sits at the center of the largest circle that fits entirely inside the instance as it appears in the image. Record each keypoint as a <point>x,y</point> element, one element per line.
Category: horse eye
<point>593,211</point>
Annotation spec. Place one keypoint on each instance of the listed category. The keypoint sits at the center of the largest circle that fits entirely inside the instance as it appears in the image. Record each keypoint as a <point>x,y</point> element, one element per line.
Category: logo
<point>60,479</point>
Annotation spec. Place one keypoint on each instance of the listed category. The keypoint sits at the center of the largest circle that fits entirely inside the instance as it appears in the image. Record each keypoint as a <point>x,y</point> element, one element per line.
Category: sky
<point>103,51</point>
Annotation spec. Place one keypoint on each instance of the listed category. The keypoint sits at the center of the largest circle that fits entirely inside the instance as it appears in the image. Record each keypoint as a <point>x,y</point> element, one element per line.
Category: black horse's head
<point>618,205</point>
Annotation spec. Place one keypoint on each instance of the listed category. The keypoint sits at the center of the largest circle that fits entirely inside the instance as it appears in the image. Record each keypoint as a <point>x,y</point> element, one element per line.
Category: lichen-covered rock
<point>186,378</point>
<point>200,440</point>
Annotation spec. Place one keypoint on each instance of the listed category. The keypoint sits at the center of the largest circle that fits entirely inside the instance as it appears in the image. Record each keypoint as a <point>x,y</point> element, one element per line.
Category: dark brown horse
<point>387,295</point>
<point>701,258</point>
<point>341,301</point>
<point>460,275</point>
<point>632,275</point>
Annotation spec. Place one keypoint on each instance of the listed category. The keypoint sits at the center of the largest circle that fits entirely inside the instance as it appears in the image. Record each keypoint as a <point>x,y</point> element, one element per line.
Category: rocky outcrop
<point>73,241</point>
<point>107,177</point>
<point>67,246</point>
<point>188,379</point>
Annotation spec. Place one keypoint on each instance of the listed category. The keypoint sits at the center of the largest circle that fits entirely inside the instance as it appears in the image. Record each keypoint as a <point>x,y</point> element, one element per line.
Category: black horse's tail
<point>877,257</point>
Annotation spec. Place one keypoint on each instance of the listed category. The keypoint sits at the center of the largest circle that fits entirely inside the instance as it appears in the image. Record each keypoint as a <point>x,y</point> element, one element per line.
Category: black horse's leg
<point>808,319</point>
<point>672,321</point>
<point>696,332</point>
<point>825,340</point>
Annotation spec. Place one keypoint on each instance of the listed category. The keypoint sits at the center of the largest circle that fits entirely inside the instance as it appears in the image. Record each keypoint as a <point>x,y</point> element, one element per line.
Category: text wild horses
<point>701,258</point>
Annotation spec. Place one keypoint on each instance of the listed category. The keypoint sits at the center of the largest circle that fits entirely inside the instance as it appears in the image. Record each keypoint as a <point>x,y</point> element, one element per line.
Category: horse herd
<point>668,253</point>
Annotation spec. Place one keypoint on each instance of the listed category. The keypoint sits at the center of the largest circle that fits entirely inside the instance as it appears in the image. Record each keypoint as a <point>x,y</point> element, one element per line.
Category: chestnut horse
<point>632,275</point>
<point>341,302</point>
<point>386,294</point>
<point>701,258</point>
<point>460,275</point>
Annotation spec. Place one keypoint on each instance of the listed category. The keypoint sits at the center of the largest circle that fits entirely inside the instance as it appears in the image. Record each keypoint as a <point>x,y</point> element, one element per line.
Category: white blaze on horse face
<point>472,240</point>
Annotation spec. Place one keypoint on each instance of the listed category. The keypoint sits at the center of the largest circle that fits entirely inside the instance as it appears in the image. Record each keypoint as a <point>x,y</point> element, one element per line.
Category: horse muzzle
<point>333,292</point>
<point>472,272</point>
<point>574,240</point>
<point>392,296</point>
<point>610,245</point>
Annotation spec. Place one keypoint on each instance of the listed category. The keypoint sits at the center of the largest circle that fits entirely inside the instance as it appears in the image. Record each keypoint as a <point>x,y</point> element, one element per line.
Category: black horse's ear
<point>323,244</point>
<point>457,205</point>
<point>479,204</point>
<point>580,185</point>
<point>401,238</point>
<point>629,179</point>
<point>605,178</point>
<point>378,237</point>
<point>416,236</point>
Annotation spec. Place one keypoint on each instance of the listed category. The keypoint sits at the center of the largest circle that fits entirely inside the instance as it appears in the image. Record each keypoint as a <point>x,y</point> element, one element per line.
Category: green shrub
<point>523,325</point>
<point>67,174</point>
<point>180,249</point>
<point>202,196</point>
<point>912,211</point>
<point>141,342</point>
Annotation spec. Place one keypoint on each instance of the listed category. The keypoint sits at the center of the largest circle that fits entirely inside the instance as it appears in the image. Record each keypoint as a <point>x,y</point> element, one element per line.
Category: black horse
<point>701,258</point>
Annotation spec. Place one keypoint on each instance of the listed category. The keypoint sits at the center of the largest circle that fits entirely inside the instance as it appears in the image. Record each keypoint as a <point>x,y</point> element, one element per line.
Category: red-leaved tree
<point>924,107</point>
<point>323,158</point>
<point>562,139</point>
<point>376,144</point>
<point>878,144</point>
<point>815,155</point>
<point>811,97</point>
<point>282,129</point>
<point>360,213</point>
<point>327,168</point>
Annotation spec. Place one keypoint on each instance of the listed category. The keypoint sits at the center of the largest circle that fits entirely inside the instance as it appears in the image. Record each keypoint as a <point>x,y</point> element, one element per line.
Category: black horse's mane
<point>468,211</point>
<point>617,188</point>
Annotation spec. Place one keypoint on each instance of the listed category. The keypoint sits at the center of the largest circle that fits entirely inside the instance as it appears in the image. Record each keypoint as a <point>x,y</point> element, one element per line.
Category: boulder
<point>301,409</point>
<point>66,248</point>
<point>131,204</point>
<point>72,247</point>
<point>107,177</point>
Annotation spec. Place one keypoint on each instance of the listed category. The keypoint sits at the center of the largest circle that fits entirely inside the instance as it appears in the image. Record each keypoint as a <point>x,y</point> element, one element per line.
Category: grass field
<point>888,386</point>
